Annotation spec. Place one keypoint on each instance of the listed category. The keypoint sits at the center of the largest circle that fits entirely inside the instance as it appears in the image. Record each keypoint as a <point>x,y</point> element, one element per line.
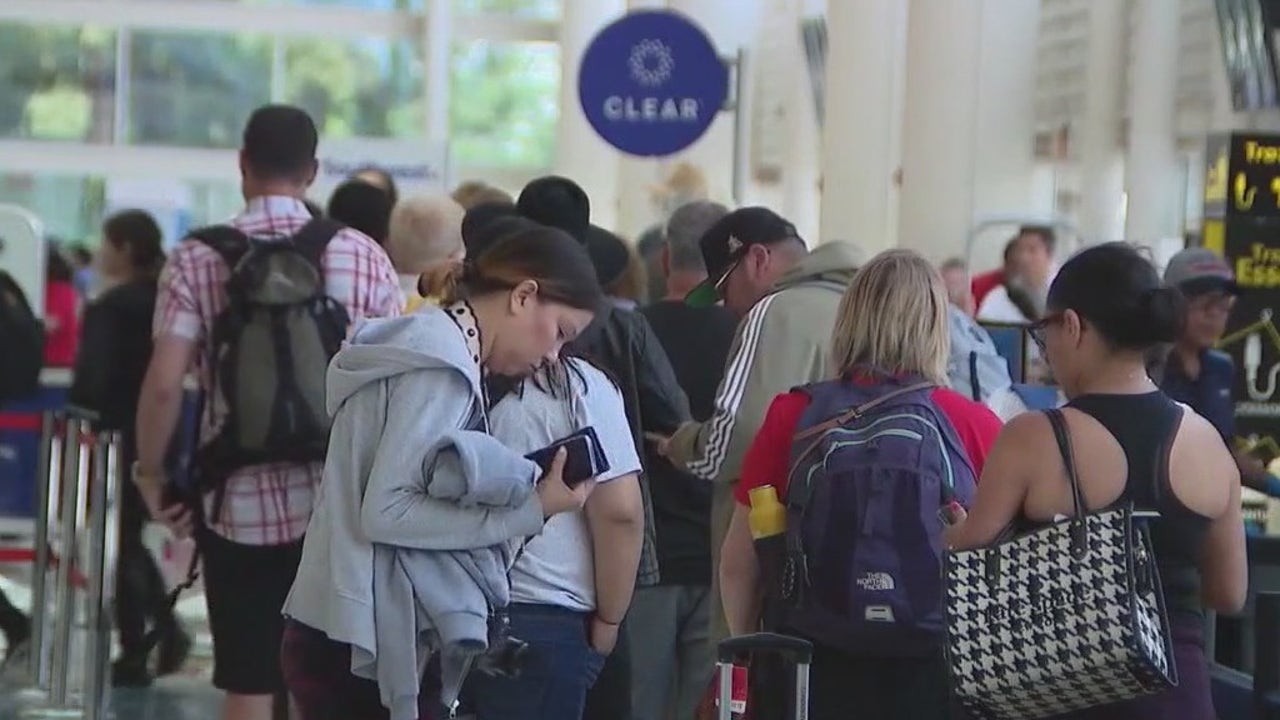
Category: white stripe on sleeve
<point>729,397</point>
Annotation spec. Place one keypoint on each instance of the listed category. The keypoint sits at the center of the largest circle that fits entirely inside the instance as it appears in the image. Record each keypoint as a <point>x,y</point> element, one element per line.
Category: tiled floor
<point>187,696</point>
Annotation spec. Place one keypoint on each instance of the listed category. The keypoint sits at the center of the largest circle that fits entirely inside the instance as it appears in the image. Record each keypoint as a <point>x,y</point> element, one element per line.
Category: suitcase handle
<point>797,649</point>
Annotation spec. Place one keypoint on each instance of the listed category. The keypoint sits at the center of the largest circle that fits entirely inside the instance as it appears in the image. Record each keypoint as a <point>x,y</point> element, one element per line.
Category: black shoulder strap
<point>1058,421</point>
<point>314,237</point>
<point>227,241</point>
<point>975,387</point>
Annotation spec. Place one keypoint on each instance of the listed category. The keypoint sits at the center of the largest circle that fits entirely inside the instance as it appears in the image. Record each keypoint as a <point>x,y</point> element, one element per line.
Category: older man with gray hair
<point>423,230</point>
<point>671,619</point>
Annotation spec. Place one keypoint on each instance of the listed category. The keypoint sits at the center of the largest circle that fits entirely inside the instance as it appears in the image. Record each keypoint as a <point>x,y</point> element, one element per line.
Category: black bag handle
<point>1079,526</point>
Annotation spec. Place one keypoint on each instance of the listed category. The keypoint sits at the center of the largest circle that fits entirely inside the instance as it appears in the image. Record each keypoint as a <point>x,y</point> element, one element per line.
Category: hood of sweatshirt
<point>832,262</point>
<point>387,347</point>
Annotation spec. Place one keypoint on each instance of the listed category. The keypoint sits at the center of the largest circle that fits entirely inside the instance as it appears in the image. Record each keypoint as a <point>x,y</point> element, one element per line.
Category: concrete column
<point>1101,162</point>
<point>1004,136</point>
<point>969,123</point>
<point>580,153</point>
<point>437,47</point>
<point>862,131</point>
<point>939,169</point>
<point>1153,170</point>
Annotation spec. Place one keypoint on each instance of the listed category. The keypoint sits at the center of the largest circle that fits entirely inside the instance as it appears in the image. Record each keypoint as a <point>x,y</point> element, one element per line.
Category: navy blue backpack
<point>871,469</point>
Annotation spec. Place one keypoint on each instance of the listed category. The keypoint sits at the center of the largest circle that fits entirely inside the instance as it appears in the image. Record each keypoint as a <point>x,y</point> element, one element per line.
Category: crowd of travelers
<point>476,455</point>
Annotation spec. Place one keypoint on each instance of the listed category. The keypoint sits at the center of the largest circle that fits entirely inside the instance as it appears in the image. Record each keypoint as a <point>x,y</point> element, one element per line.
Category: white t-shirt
<point>556,567</point>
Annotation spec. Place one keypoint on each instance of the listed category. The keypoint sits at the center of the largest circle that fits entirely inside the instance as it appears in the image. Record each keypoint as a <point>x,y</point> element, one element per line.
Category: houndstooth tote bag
<point>1063,618</point>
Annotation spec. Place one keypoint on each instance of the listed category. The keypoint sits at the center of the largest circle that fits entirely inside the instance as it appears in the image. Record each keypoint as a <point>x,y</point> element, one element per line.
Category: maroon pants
<point>317,672</point>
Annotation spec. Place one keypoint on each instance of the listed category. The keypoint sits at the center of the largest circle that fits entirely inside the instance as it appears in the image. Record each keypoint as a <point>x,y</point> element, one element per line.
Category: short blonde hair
<point>424,229</point>
<point>893,318</point>
<point>477,192</point>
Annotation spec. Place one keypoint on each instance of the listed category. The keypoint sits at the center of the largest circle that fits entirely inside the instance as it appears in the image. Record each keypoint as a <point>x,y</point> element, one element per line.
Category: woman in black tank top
<point>1106,310</point>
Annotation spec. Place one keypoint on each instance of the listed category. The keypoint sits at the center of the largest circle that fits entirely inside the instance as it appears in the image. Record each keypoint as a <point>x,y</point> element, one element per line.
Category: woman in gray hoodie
<point>404,553</point>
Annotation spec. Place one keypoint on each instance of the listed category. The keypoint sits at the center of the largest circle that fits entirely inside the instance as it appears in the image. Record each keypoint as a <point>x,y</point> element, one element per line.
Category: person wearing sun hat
<point>787,296</point>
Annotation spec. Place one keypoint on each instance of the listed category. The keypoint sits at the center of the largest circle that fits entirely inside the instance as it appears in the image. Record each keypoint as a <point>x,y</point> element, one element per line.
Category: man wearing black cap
<point>761,269</point>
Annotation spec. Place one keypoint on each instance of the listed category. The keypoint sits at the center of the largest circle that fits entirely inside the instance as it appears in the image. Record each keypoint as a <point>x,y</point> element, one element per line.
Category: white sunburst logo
<point>651,62</point>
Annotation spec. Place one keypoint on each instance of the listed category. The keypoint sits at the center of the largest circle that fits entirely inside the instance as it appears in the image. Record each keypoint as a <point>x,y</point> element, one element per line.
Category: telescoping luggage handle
<point>794,649</point>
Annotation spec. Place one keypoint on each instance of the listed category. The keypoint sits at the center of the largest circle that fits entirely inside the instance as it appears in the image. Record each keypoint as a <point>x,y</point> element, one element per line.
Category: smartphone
<point>585,458</point>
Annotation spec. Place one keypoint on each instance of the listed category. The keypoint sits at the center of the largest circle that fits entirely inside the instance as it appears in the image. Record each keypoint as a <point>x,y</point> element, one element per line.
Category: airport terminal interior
<point>999,141</point>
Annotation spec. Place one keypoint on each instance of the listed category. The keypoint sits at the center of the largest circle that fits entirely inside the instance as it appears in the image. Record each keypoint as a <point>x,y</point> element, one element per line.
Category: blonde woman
<point>423,231</point>
<point>890,344</point>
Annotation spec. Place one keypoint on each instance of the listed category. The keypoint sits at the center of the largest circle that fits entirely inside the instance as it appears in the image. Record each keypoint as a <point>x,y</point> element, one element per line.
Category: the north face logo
<point>876,582</point>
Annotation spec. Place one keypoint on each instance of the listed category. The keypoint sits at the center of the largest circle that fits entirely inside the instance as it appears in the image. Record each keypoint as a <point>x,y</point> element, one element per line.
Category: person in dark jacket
<point>673,652</point>
<point>624,345</point>
<point>114,350</point>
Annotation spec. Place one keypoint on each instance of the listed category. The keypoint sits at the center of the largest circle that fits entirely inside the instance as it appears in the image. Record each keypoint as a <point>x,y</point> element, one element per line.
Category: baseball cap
<point>1196,271</point>
<point>727,241</point>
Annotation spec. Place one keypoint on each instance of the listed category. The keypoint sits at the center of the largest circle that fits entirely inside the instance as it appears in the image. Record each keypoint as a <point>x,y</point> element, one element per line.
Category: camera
<point>506,655</point>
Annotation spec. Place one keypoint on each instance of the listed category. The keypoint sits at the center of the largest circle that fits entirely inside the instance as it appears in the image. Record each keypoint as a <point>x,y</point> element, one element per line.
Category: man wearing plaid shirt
<point>252,545</point>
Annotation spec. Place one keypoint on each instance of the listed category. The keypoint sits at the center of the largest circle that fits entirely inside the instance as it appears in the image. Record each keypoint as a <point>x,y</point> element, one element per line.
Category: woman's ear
<point>1073,324</point>
<point>523,295</point>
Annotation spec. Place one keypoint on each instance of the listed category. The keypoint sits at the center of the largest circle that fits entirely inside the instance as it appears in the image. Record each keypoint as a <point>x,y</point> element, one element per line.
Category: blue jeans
<point>560,668</point>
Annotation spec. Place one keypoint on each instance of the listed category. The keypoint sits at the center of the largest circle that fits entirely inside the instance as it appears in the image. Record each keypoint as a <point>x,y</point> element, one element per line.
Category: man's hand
<point>603,636</point>
<point>661,443</point>
<point>175,517</point>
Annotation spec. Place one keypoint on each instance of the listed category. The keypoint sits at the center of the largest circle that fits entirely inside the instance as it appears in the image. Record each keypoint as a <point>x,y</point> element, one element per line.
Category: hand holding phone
<point>584,460</point>
<point>556,496</point>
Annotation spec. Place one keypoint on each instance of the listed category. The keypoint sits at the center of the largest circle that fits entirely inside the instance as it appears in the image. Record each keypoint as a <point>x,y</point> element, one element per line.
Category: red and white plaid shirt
<point>266,504</point>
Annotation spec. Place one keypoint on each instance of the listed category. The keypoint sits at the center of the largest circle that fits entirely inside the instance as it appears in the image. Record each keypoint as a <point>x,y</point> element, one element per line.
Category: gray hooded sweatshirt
<point>408,543</point>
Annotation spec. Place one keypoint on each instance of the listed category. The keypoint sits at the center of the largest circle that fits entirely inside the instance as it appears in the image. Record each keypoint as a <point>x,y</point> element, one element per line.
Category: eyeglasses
<point>725,277</point>
<point>1038,329</point>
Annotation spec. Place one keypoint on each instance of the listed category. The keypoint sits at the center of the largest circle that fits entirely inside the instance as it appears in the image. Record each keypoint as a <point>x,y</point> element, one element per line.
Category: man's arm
<point>713,450</point>
<point>178,327</point>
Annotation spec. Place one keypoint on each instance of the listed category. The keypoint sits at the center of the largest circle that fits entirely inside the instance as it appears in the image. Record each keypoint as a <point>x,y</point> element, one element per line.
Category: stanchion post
<point>101,572</point>
<point>46,509</point>
<point>64,598</point>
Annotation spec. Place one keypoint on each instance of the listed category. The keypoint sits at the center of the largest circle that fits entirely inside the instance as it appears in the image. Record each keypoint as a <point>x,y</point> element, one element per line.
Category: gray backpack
<point>975,368</point>
<point>270,349</point>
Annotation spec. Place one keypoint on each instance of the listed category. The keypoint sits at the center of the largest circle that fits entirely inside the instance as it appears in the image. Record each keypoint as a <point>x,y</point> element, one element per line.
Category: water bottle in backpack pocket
<point>873,470</point>
<point>270,349</point>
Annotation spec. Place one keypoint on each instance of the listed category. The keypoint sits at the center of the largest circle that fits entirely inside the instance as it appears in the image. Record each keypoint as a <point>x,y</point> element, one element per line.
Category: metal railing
<point>76,535</point>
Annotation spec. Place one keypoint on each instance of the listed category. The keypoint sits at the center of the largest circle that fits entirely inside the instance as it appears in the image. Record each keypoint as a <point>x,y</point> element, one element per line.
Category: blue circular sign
<point>652,83</point>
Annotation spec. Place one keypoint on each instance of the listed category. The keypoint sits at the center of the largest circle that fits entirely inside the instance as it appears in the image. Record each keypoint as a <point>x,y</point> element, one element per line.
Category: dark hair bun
<point>1163,312</point>
<point>1117,290</point>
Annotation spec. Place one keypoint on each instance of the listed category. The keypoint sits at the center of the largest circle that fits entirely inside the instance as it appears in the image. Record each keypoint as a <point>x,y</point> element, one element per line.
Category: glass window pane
<point>195,89</point>
<point>365,88</point>
<point>504,101</point>
<point>69,206</point>
<point>538,9</point>
<point>57,82</point>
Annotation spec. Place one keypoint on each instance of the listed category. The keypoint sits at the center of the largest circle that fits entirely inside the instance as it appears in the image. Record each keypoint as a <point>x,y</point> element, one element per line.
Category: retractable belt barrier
<point>77,531</point>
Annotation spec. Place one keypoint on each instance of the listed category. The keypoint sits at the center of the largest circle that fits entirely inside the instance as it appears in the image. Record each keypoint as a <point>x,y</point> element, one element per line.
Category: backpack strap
<point>312,239</point>
<point>229,242</point>
<point>975,387</point>
<point>864,408</point>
